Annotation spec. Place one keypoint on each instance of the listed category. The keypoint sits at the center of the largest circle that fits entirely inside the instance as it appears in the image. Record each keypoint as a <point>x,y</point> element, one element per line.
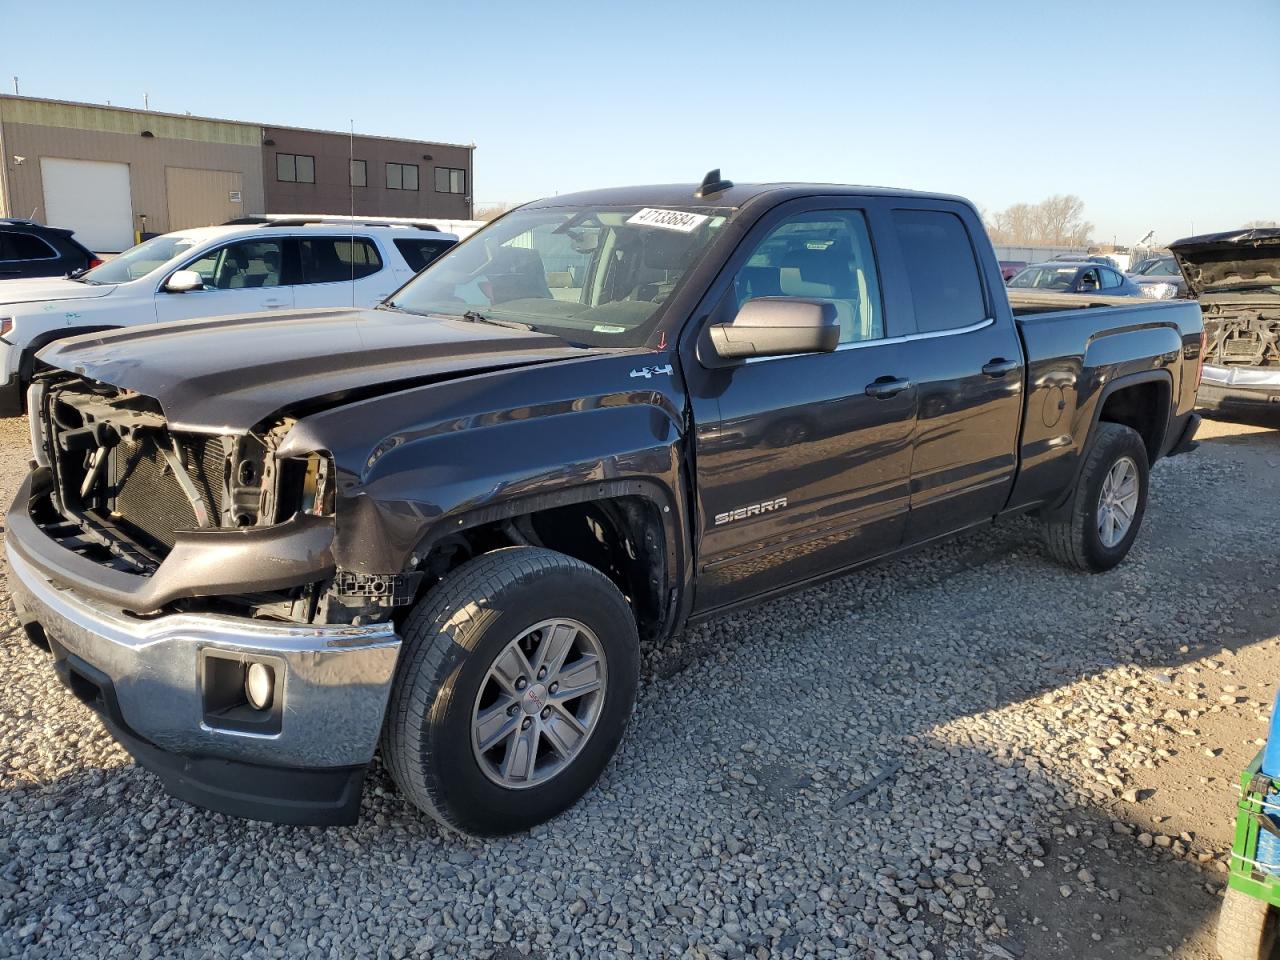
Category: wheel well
<point>1145,408</point>
<point>621,537</point>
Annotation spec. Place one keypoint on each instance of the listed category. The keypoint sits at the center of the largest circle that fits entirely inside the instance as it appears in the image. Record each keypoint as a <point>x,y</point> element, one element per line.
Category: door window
<point>23,246</point>
<point>333,259</point>
<point>946,288</point>
<point>418,253</point>
<point>824,255</point>
<point>1089,279</point>
<point>241,266</point>
<point>1110,279</point>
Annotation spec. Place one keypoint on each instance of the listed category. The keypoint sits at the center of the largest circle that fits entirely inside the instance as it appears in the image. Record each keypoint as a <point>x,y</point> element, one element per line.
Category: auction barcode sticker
<point>668,219</point>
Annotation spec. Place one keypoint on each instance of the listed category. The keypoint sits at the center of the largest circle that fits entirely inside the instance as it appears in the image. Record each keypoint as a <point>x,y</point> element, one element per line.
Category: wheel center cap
<point>534,699</point>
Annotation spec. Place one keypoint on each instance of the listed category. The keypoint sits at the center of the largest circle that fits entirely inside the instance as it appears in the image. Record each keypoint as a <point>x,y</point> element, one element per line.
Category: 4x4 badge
<point>648,372</point>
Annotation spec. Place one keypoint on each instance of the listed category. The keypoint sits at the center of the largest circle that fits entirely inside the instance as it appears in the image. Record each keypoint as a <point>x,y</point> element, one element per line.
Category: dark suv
<point>29,249</point>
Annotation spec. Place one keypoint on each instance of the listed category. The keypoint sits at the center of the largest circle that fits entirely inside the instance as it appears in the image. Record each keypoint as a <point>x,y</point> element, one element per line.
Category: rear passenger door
<point>802,461</point>
<point>965,359</point>
<point>340,271</point>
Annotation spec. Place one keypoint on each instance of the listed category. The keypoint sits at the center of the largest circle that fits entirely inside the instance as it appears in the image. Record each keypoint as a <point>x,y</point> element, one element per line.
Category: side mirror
<point>184,281</point>
<point>777,327</point>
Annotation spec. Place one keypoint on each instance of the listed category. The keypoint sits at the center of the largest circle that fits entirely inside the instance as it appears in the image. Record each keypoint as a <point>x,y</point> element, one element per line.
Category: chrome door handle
<point>999,367</point>
<point>882,388</point>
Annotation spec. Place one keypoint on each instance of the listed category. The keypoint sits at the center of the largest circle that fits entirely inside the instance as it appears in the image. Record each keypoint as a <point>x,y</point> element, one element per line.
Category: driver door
<point>246,276</point>
<point>803,462</point>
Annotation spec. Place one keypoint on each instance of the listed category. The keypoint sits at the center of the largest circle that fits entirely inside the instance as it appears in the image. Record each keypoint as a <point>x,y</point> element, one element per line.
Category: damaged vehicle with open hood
<point>1236,277</point>
<point>265,546</point>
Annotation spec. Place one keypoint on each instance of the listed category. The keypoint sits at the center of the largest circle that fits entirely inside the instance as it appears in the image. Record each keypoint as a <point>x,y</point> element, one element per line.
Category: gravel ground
<point>966,753</point>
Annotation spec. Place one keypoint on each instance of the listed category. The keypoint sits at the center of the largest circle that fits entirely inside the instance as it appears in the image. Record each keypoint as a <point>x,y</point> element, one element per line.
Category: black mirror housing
<point>777,327</point>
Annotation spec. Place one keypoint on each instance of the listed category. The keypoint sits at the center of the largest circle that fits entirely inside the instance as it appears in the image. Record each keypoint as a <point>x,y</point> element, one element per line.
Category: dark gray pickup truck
<point>263,546</point>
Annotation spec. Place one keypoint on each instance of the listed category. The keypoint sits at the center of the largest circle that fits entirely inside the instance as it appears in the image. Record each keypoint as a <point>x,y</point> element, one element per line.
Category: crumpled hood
<point>35,289</point>
<point>1214,261</point>
<point>226,374</point>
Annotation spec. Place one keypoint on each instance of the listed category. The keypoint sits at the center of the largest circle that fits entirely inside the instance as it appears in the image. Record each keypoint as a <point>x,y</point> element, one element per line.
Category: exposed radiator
<point>145,495</point>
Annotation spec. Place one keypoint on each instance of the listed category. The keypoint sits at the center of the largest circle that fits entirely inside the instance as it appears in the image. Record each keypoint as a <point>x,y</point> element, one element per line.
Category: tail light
<point>94,262</point>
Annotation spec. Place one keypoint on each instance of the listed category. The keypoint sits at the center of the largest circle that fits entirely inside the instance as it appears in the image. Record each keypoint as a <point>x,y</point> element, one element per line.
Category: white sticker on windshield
<point>669,219</point>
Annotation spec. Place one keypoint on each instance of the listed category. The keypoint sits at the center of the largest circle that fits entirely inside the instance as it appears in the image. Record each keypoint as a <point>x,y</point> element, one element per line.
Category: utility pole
<point>15,86</point>
<point>146,102</point>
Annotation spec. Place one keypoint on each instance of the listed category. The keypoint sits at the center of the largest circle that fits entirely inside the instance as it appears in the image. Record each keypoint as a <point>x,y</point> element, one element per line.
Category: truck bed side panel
<point>1074,359</point>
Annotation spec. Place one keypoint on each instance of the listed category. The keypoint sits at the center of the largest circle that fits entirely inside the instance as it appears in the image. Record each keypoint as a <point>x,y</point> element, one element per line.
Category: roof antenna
<point>712,183</point>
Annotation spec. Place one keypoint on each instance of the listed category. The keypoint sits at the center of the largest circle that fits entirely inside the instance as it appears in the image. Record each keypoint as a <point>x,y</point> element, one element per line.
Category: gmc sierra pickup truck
<point>263,546</point>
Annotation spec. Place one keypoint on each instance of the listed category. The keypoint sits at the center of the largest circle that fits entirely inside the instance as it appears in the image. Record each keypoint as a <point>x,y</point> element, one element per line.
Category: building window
<point>295,168</point>
<point>402,176</point>
<point>451,180</point>
<point>359,174</point>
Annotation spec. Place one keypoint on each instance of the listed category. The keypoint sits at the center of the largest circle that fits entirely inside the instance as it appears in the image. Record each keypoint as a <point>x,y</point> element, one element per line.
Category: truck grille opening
<point>1252,339</point>
<point>145,497</point>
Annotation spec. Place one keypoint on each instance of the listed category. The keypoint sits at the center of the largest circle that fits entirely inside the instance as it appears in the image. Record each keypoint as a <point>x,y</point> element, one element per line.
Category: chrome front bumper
<point>333,681</point>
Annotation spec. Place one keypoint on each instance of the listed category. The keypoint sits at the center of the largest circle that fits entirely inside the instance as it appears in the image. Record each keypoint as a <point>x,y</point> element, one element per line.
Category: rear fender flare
<point>1128,380</point>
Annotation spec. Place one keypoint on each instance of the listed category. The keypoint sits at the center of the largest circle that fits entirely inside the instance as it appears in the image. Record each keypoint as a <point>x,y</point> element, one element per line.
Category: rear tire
<point>1246,927</point>
<point>456,669</point>
<point>1079,535</point>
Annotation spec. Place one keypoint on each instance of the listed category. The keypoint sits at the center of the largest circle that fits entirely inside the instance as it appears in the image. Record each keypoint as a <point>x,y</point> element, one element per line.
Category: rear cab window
<point>942,270</point>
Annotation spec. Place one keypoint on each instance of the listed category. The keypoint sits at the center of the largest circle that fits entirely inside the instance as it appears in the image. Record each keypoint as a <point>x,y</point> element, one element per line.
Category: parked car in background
<point>1160,278</point>
<point>1009,268</point>
<point>1075,276</point>
<point>209,272</point>
<point>30,249</point>
<point>449,525</point>
<point>1236,277</point>
<point>1087,258</point>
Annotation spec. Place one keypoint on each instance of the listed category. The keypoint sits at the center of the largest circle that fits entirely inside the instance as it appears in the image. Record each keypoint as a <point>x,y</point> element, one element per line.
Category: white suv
<point>280,264</point>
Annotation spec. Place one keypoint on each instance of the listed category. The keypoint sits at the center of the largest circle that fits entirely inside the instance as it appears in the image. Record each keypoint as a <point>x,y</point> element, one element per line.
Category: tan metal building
<point>102,170</point>
<point>111,172</point>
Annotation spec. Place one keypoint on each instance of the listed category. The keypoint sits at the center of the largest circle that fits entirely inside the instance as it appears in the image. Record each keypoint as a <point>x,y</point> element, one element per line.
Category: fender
<point>26,366</point>
<point>419,465</point>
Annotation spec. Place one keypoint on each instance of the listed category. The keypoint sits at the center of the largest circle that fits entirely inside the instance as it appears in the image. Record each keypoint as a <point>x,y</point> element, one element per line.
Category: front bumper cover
<point>1239,387</point>
<point>333,682</point>
<point>206,563</point>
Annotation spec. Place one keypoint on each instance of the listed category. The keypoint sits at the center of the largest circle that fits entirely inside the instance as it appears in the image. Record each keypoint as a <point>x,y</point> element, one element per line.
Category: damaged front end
<point>183,582</point>
<point>155,520</point>
<point>1236,276</point>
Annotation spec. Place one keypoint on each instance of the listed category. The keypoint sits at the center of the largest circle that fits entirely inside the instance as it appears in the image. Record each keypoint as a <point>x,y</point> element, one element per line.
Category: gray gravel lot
<point>954,755</point>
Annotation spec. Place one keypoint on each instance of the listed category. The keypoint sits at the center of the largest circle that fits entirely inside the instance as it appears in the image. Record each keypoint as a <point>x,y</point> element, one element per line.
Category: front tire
<point>1097,527</point>
<point>515,684</point>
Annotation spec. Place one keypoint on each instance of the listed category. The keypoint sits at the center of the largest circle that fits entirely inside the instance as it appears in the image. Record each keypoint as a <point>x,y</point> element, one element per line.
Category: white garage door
<point>92,198</point>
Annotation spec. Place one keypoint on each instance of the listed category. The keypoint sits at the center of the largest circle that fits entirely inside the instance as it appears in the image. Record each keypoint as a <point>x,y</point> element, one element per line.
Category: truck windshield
<point>593,275</point>
<point>140,260</point>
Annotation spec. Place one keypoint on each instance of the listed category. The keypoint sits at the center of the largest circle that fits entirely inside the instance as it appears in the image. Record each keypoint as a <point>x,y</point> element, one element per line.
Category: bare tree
<point>1056,221</point>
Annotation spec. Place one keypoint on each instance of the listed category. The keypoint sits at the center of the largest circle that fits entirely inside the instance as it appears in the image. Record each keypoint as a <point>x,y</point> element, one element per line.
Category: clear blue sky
<point>1161,115</point>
